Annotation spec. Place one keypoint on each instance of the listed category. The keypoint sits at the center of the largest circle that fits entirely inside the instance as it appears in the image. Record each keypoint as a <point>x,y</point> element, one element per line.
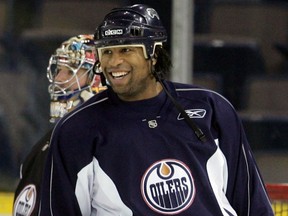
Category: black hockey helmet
<point>131,25</point>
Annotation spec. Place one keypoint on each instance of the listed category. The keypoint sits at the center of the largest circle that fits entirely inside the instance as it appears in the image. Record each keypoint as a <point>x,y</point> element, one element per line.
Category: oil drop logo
<point>168,187</point>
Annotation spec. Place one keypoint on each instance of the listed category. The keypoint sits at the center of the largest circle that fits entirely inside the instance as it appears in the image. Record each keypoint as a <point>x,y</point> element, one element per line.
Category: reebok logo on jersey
<point>193,113</point>
<point>168,187</point>
<point>25,201</point>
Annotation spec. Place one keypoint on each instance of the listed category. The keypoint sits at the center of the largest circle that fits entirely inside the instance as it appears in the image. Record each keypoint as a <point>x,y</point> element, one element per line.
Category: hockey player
<point>162,148</point>
<point>72,82</point>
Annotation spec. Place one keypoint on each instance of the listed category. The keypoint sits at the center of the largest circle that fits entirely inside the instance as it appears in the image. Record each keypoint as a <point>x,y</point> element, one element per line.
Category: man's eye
<point>125,50</point>
<point>106,52</point>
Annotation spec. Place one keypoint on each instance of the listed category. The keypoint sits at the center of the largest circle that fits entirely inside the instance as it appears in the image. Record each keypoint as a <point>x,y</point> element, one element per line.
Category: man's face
<point>128,72</point>
<point>68,81</point>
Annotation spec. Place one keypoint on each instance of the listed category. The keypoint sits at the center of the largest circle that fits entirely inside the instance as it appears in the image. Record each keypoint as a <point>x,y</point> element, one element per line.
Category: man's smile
<point>118,75</point>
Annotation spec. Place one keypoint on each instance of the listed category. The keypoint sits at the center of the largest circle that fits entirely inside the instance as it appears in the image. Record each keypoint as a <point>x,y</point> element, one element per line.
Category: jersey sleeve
<point>58,196</point>
<point>245,190</point>
<point>74,183</point>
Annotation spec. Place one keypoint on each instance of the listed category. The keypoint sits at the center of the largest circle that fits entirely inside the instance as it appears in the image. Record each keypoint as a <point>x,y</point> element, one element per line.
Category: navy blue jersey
<point>140,158</point>
<point>27,193</point>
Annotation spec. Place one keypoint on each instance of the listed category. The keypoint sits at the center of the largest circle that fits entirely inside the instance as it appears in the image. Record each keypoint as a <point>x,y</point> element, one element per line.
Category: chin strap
<point>198,132</point>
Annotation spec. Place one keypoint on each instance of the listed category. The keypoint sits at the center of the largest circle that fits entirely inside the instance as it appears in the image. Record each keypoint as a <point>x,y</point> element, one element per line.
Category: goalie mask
<point>70,74</point>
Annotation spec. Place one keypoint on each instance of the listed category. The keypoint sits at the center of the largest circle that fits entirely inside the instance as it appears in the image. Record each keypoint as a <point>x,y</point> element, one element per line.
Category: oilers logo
<point>168,187</point>
<point>25,201</point>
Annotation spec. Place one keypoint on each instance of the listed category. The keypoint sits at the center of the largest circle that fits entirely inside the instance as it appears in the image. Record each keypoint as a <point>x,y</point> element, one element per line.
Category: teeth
<point>119,74</point>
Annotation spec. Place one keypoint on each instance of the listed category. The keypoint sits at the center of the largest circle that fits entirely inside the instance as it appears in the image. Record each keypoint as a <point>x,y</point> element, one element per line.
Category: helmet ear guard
<point>96,68</point>
<point>97,71</point>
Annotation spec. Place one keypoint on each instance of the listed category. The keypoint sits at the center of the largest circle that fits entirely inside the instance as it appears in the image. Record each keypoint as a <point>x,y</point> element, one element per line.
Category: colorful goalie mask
<point>71,77</point>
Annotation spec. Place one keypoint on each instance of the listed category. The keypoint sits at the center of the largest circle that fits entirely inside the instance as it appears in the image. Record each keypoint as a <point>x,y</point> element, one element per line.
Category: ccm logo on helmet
<point>113,32</point>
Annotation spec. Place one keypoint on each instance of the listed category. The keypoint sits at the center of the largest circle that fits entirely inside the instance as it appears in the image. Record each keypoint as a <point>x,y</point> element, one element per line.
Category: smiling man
<point>147,146</point>
<point>129,73</point>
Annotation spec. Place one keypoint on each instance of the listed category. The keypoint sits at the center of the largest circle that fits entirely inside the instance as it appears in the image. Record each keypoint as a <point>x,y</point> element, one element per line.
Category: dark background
<point>235,43</point>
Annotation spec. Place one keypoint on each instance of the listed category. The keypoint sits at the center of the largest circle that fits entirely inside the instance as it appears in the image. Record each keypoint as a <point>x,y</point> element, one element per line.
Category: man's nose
<point>115,59</point>
<point>61,76</point>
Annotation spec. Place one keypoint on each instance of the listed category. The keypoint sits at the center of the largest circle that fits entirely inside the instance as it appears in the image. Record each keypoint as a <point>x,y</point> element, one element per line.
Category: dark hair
<point>163,65</point>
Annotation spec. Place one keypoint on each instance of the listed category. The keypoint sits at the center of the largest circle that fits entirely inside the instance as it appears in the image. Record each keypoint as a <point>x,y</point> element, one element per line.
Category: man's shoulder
<point>41,146</point>
<point>186,90</point>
